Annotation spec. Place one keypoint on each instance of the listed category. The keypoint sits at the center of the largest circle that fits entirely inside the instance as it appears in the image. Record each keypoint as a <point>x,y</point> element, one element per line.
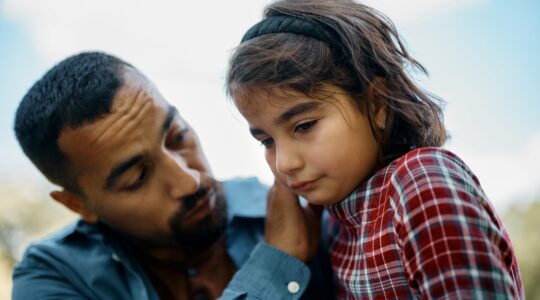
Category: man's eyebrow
<point>296,110</point>
<point>171,113</point>
<point>120,169</point>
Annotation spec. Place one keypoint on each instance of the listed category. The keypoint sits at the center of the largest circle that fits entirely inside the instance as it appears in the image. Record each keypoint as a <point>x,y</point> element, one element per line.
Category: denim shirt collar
<point>246,197</point>
<point>246,202</point>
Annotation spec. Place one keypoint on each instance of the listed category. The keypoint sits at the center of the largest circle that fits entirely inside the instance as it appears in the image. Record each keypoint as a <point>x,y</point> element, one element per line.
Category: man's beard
<point>208,230</point>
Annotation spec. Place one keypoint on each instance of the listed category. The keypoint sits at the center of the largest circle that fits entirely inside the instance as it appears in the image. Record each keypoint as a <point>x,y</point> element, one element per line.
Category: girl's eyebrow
<point>296,110</point>
<point>289,114</point>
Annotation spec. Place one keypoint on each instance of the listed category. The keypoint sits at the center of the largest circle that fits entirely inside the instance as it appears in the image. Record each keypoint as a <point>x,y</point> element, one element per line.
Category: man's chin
<point>199,239</point>
<point>204,232</point>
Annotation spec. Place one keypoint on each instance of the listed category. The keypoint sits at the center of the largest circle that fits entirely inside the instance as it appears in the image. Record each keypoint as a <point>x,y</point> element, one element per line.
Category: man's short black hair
<point>76,91</point>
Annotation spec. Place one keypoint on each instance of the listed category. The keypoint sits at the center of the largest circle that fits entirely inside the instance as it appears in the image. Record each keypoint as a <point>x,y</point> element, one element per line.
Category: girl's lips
<point>302,185</point>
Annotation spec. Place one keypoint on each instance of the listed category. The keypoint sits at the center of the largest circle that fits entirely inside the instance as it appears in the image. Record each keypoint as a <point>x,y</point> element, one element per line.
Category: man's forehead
<point>134,117</point>
<point>136,87</point>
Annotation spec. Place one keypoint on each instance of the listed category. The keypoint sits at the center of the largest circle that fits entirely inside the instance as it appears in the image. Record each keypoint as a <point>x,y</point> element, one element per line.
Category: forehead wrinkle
<point>124,116</point>
<point>134,118</point>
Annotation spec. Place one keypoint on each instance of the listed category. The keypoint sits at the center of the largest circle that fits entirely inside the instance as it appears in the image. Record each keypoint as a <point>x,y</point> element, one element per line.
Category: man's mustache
<point>190,201</point>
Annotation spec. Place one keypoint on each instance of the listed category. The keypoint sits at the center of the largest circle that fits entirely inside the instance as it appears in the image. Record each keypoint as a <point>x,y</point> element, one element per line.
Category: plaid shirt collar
<point>349,209</point>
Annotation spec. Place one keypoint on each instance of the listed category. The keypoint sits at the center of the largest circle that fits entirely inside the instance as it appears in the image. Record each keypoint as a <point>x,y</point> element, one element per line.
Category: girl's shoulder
<point>428,156</point>
<point>433,177</point>
<point>431,165</point>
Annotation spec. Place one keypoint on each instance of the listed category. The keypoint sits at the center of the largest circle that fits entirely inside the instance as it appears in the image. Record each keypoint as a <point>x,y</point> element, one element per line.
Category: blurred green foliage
<point>26,213</point>
<point>523,225</point>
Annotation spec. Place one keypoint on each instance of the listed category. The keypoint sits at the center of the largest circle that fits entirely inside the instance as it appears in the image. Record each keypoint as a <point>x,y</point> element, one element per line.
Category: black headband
<point>290,24</point>
<point>303,26</point>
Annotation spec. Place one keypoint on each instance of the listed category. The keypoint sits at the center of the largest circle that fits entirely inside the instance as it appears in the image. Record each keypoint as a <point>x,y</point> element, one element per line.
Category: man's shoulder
<point>79,261</point>
<point>72,242</point>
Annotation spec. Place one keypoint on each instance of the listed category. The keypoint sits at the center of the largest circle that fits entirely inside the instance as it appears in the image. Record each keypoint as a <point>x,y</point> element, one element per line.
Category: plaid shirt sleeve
<point>454,245</point>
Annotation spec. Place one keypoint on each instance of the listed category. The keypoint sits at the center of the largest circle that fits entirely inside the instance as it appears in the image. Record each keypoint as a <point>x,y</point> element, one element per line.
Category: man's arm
<point>269,273</point>
<point>276,268</point>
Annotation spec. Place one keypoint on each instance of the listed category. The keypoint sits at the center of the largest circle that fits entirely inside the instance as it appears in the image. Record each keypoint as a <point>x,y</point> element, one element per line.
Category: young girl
<point>325,87</point>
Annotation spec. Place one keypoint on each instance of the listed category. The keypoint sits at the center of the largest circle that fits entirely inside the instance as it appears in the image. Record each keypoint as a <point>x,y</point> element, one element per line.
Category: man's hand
<point>290,227</point>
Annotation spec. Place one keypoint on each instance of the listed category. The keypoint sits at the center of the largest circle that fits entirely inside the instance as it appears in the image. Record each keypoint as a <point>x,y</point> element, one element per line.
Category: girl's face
<point>320,149</point>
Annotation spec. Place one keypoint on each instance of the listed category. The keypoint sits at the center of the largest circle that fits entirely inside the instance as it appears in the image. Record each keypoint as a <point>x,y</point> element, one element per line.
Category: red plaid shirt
<point>422,228</point>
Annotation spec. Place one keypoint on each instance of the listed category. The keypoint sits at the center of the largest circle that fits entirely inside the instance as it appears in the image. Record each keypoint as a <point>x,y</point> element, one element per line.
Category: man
<point>154,223</point>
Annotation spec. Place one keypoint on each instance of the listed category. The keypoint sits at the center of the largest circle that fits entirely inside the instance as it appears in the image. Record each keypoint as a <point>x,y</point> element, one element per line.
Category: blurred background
<point>483,58</point>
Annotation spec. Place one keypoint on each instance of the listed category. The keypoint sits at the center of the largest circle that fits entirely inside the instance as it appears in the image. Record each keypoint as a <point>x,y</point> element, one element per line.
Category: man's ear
<point>75,203</point>
<point>376,96</point>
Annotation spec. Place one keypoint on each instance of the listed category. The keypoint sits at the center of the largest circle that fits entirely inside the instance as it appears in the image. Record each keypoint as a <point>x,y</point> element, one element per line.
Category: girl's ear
<point>375,93</point>
<point>75,203</point>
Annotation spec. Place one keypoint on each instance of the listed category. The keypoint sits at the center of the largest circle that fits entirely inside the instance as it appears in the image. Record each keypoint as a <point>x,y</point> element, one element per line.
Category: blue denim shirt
<point>83,261</point>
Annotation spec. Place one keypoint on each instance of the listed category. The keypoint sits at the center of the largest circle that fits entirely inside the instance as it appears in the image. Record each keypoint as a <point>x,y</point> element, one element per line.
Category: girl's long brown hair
<point>377,61</point>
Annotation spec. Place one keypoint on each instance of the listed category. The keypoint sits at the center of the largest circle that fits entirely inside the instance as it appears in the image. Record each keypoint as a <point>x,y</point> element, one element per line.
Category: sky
<point>482,56</point>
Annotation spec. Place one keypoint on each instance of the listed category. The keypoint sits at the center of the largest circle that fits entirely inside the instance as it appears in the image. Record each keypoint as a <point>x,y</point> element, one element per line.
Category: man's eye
<point>305,127</point>
<point>140,180</point>
<point>267,143</point>
<point>178,139</point>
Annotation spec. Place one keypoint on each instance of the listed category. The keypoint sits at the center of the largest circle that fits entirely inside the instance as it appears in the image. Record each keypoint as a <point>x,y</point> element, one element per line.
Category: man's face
<point>143,172</point>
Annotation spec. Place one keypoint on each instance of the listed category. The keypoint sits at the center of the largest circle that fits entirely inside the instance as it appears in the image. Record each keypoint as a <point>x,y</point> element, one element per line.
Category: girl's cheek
<point>271,161</point>
<point>282,178</point>
<point>278,175</point>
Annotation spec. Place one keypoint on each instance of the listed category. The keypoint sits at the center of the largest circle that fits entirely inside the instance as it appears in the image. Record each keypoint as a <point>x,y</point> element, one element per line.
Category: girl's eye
<point>305,127</point>
<point>267,143</point>
<point>140,180</point>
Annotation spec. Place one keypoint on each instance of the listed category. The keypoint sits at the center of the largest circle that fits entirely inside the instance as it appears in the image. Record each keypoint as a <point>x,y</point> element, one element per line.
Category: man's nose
<point>181,179</point>
<point>288,159</point>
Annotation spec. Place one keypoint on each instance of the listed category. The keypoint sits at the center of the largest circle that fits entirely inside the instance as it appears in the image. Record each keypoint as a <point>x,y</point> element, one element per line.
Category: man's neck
<point>178,255</point>
<point>179,274</point>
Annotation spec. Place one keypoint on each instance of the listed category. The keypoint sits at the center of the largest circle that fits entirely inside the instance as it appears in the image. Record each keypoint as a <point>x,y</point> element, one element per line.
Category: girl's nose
<point>288,159</point>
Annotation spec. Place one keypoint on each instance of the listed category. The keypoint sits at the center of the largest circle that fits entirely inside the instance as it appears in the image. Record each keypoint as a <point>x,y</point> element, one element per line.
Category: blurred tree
<point>523,224</point>
<point>26,212</point>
